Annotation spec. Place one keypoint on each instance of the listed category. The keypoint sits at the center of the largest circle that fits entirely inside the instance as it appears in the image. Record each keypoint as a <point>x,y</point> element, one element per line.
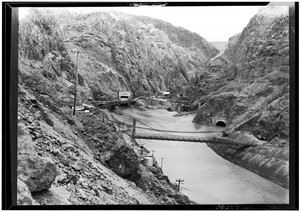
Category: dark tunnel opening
<point>221,124</point>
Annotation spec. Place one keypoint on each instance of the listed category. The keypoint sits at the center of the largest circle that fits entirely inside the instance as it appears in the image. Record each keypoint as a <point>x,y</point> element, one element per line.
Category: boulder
<point>36,172</point>
<point>62,178</point>
<point>77,166</point>
<point>23,194</point>
<point>140,103</point>
<point>53,196</point>
<point>124,162</point>
<point>25,143</point>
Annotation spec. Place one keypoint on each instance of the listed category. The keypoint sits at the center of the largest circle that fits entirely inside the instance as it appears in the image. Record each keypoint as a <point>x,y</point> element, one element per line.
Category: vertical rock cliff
<point>84,159</point>
<point>248,84</point>
<point>117,52</point>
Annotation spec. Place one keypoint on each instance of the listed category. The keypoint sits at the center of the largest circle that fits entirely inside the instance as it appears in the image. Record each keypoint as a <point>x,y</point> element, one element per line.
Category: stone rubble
<point>64,168</point>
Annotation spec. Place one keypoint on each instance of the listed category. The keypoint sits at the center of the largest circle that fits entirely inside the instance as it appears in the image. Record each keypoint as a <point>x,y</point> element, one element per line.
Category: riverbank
<point>209,179</point>
<point>268,161</point>
<point>82,160</point>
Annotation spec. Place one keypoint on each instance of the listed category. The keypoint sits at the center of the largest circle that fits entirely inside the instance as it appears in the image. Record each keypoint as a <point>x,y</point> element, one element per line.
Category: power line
<point>160,130</point>
<point>176,131</point>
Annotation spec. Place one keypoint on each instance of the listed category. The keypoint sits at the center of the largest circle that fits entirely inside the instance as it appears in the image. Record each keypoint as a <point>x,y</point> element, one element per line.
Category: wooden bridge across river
<point>196,139</point>
<point>174,136</point>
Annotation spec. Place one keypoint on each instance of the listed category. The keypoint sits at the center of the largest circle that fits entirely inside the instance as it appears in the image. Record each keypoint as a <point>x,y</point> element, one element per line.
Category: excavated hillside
<point>248,84</point>
<point>86,159</point>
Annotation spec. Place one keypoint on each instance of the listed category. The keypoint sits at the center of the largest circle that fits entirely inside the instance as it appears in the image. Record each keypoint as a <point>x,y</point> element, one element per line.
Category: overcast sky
<point>212,23</point>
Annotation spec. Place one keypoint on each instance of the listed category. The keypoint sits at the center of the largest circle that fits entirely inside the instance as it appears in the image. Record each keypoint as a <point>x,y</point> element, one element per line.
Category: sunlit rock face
<point>254,71</point>
<point>117,52</point>
<point>84,159</point>
<point>23,194</point>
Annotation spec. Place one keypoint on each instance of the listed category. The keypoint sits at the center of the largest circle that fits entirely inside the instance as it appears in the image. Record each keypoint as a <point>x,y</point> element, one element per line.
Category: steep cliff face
<point>248,84</point>
<point>117,52</point>
<point>254,72</point>
<point>83,159</point>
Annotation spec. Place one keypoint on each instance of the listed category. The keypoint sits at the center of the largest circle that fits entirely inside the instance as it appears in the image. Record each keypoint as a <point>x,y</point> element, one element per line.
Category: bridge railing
<point>213,140</point>
<point>133,126</point>
<point>175,137</point>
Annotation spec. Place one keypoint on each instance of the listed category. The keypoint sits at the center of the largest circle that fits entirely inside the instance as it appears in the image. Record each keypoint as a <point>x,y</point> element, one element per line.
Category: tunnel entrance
<point>221,124</point>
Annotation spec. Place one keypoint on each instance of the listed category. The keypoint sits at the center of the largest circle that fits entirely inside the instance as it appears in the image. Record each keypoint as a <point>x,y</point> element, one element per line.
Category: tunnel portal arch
<point>221,124</point>
<point>219,121</point>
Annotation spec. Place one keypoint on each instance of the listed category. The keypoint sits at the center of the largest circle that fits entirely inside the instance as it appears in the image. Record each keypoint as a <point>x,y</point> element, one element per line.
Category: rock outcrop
<point>36,172</point>
<point>23,194</point>
<point>248,84</point>
<point>117,52</point>
<point>91,163</point>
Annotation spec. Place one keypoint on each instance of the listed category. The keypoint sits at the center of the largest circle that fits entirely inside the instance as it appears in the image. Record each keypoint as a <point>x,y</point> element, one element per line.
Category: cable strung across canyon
<point>184,138</point>
<point>160,130</point>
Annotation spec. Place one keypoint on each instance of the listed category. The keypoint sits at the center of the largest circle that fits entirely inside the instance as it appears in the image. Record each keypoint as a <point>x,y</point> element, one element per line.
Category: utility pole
<point>76,81</point>
<point>118,98</point>
<point>153,153</point>
<point>161,163</point>
<point>133,128</point>
<point>179,181</point>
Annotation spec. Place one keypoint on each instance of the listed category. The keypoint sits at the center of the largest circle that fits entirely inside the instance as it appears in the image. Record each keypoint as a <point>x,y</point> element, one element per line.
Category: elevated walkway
<point>196,139</point>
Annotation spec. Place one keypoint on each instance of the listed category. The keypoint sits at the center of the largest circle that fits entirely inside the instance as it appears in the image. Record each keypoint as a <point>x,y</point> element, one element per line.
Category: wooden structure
<point>184,138</point>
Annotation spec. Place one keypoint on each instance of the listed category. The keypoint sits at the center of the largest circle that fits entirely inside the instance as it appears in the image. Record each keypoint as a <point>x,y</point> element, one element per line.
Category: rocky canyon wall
<point>118,52</point>
<point>84,159</point>
<point>248,83</point>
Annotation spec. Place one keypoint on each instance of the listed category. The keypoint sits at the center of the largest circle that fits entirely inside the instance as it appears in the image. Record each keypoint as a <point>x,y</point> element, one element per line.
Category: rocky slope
<point>248,84</point>
<point>268,160</point>
<point>84,159</point>
<point>250,79</point>
<point>117,51</point>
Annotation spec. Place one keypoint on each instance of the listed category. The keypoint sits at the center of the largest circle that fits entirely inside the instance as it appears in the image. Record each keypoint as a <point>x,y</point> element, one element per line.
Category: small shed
<point>166,93</point>
<point>124,96</point>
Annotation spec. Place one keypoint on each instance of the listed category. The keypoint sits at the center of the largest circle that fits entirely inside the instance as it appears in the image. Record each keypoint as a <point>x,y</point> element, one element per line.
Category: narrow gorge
<point>93,158</point>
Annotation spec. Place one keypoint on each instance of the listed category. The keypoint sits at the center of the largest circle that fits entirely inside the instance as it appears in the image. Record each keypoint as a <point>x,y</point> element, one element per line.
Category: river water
<point>208,178</point>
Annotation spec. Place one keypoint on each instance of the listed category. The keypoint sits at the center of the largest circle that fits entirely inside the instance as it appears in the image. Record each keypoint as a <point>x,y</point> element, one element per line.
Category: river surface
<point>208,178</point>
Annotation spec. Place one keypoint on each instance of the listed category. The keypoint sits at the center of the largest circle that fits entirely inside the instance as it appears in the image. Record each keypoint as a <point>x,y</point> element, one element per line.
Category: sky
<point>213,23</point>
